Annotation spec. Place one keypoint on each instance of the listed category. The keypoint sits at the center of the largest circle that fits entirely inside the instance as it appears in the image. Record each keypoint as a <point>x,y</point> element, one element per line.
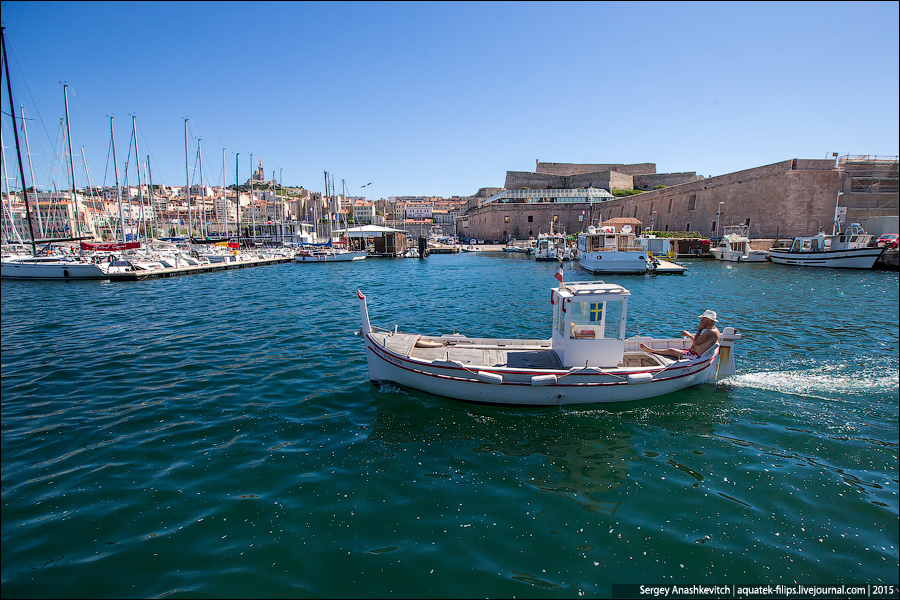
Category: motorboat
<point>511,246</point>
<point>848,250</point>
<point>604,250</point>
<point>735,246</point>
<point>588,359</point>
<point>317,255</point>
<point>551,247</point>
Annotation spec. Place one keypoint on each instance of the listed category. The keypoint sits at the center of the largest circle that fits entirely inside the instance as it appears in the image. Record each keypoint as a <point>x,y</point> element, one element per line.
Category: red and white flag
<point>559,274</point>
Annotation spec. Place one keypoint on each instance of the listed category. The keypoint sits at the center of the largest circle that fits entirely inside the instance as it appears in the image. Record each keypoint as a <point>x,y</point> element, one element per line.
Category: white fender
<point>489,377</point>
<point>543,380</point>
<point>640,378</point>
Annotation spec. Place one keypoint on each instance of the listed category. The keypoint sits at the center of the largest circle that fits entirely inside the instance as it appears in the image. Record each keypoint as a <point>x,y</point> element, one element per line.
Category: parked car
<point>889,240</point>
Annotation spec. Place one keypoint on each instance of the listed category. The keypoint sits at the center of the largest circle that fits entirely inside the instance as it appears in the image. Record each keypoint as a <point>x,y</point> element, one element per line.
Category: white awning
<point>367,231</point>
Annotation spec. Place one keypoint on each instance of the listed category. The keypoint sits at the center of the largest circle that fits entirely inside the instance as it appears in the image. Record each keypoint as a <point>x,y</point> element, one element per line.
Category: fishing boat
<point>848,250</point>
<point>605,250</point>
<point>735,246</point>
<point>588,359</point>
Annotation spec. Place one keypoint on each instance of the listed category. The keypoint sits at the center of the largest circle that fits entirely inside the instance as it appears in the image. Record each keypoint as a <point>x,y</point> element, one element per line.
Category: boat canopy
<point>367,231</point>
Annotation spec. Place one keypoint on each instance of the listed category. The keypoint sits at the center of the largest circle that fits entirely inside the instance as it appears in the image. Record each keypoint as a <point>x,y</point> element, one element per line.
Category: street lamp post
<point>719,218</point>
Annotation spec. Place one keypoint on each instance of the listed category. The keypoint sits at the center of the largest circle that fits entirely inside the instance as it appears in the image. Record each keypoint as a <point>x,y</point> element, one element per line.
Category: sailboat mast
<point>71,160</point>
<point>118,187</point>
<point>137,167</point>
<point>202,191</point>
<point>237,193</point>
<point>187,174</point>
<point>16,135</point>
<point>252,203</point>
<point>150,199</point>
<point>224,192</point>
<point>37,206</point>
<point>327,205</point>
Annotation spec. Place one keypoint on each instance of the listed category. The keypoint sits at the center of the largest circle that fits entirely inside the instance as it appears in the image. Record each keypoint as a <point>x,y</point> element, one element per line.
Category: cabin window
<point>805,246</point>
<point>587,320</point>
<point>814,245</point>
<point>795,246</point>
<point>612,329</point>
<point>559,319</point>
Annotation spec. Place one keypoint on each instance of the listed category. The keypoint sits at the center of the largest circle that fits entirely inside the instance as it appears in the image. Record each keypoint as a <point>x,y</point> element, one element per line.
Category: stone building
<point>789,198</point>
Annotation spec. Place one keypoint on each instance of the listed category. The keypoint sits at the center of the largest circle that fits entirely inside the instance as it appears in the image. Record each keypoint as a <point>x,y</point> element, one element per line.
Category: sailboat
<point>327,252</point>
<point>41,264</point>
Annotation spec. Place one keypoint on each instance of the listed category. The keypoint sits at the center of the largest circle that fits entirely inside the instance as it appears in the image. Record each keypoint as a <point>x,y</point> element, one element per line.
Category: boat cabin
<point>589,323</point>
<point>854,237</point>
<point>607,239</point>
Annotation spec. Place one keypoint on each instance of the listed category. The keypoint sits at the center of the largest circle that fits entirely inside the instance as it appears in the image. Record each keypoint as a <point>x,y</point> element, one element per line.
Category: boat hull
<point>852,258</point>
<point>733,256</point>
<point>614,262</point>
<point>535,387</point>
<point>340,257</point>
<point>51,270</point>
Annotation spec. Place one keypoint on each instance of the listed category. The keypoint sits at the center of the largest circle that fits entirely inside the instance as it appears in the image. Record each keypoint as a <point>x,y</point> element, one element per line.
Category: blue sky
<point>444,98</point>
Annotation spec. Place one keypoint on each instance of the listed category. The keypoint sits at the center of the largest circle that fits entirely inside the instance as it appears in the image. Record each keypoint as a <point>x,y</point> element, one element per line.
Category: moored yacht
<point>735,246</point>
<point>604,250</point>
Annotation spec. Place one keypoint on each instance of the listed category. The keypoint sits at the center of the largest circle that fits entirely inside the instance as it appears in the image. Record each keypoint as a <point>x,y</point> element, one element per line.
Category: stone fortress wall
<point>777,201</point>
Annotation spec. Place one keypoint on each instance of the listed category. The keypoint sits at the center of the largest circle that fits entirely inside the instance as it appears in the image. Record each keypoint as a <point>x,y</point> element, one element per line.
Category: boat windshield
<point>596,320</point>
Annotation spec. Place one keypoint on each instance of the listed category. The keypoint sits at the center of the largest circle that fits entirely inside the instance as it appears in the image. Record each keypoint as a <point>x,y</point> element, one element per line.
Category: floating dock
<point>665,267</point>
<point>177,271</point>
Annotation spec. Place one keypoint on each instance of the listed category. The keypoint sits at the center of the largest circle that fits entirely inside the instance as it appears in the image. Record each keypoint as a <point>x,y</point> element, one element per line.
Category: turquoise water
<point>217,435</point>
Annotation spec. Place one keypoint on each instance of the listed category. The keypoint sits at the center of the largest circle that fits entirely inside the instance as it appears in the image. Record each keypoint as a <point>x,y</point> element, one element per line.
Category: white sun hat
<point>711,315</point>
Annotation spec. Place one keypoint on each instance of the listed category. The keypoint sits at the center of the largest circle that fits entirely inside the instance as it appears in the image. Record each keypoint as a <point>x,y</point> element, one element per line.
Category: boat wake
<point>828,382</point>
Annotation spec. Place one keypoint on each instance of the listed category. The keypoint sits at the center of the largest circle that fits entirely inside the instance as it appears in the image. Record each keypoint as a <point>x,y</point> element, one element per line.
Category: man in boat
<point>707,335</point>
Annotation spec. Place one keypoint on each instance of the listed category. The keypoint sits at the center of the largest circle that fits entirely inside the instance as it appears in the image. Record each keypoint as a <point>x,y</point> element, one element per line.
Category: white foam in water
<point>827,382</point>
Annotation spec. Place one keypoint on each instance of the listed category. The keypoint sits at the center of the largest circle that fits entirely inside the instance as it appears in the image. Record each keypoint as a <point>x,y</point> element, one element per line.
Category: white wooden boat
<point>735,246</point>
<point>848,250</point>
<point>605,250</point>
<point>588,359</point>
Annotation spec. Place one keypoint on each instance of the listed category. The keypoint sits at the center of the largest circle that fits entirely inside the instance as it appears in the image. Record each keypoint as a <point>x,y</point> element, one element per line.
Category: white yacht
<point>604,250</point>
<point>735,246</point>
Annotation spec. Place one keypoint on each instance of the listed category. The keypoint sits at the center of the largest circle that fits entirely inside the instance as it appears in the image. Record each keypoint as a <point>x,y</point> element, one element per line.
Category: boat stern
<point>364,315</point>
<point>725,367</point>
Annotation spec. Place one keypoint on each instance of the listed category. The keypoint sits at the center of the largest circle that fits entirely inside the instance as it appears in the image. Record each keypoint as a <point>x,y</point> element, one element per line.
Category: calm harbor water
<point>217,435</point>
